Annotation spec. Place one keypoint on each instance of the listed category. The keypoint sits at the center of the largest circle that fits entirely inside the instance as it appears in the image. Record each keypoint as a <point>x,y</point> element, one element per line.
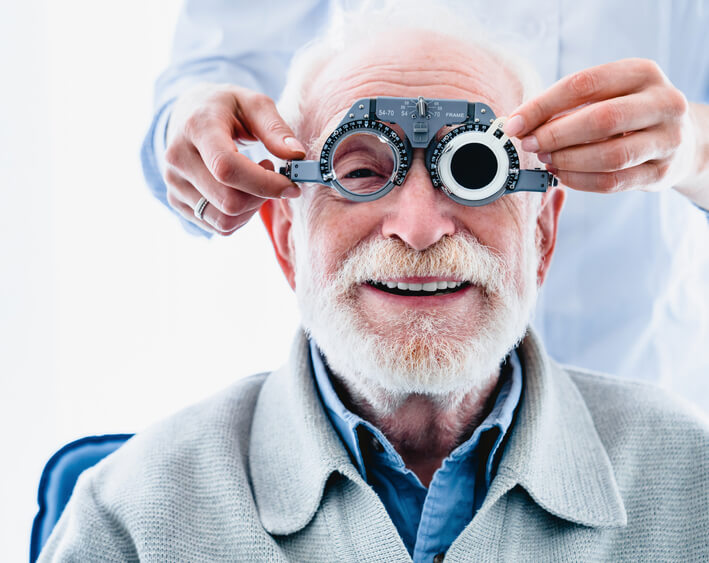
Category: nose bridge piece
<point>419,216</point>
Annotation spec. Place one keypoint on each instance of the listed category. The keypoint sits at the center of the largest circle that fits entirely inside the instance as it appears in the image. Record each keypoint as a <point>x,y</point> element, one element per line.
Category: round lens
<point>473,166</point>
<point>363,163</point>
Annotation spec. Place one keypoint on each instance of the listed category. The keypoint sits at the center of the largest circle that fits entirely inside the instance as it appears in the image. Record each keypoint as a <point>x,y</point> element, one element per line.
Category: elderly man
<point>418,419</point>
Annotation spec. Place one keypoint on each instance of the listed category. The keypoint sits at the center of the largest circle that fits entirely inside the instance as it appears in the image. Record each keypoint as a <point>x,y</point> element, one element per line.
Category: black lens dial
<point>473,166</point>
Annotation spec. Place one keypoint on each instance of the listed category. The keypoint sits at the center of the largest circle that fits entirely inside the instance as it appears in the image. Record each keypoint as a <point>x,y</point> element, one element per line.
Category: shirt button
<point>439,558</point>
<point>377,445</point>
<point>534,28</point>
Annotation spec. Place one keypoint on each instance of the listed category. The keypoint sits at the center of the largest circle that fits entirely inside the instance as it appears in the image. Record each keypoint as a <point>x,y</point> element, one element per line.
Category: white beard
<point>419,352</point>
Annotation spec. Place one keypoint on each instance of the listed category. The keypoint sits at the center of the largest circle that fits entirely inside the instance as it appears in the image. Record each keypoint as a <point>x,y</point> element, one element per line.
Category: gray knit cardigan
<point>595,469</point>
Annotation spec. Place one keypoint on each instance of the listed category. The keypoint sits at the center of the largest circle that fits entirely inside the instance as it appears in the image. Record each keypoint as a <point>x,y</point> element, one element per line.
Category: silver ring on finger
<point>200,207</point>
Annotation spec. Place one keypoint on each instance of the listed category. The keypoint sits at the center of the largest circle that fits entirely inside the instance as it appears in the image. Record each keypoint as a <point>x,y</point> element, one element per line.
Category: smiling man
<point>418,418</point>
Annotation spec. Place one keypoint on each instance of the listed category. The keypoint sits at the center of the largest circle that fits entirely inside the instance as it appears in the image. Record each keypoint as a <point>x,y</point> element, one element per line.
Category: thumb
<point>266,124</point>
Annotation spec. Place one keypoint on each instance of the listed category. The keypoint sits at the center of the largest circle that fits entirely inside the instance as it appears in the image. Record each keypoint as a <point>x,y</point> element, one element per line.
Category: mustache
<point>459,257</point>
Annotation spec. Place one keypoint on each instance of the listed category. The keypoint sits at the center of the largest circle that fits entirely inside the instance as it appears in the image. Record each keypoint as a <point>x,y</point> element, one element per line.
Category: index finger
<point>231,168</point>
<point>594,84</point>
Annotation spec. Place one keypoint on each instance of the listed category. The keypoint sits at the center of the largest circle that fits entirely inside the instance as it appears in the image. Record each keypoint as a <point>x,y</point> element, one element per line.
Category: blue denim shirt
<point>428,520</point>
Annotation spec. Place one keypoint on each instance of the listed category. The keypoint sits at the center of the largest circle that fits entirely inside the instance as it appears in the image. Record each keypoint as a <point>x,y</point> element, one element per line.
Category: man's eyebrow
<point>445,129</point>
<point>316,144</point>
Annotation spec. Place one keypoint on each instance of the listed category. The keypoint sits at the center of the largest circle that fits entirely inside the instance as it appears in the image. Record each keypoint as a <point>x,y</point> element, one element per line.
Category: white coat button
<point>533,28</point>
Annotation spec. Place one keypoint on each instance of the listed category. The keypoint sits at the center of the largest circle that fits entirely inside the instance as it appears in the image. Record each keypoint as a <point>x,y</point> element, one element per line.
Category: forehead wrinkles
<point>458,76</point>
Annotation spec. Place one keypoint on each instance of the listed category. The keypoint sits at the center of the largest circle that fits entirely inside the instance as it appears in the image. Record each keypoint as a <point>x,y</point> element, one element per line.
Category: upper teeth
<point>429,286</point>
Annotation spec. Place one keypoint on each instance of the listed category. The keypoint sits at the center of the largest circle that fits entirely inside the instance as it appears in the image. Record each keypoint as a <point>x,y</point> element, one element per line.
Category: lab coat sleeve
<point>245,43</point>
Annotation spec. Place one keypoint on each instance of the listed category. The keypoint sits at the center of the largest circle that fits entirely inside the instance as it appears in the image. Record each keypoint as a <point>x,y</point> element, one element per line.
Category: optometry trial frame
<point>474,163</point>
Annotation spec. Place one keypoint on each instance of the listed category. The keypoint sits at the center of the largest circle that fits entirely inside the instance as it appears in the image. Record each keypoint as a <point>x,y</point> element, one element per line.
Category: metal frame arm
<point>534,181</point>
<point>304,171</point>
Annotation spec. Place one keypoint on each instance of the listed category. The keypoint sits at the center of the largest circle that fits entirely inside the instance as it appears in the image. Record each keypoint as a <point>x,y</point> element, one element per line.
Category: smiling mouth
<point>419,289</point>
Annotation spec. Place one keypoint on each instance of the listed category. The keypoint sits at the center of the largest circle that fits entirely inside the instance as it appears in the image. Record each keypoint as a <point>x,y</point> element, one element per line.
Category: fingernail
<point>290,192</point>
<point>514,126</point>
<point>294,144</point>
<point>530,144</point>
<point>544,157</point>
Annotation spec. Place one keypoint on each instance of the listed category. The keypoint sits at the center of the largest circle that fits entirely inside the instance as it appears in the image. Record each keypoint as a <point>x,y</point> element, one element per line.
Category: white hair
<point>369,20</point>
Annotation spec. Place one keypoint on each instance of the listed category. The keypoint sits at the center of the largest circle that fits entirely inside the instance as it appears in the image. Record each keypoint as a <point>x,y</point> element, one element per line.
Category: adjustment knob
<point>421,107</point>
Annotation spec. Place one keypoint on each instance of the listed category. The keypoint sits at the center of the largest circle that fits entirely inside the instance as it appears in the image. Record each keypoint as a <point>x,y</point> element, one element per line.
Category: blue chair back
<point>58,480</point>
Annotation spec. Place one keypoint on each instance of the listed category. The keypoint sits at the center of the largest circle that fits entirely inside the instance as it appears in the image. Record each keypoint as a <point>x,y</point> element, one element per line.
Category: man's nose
<point>420,214</point>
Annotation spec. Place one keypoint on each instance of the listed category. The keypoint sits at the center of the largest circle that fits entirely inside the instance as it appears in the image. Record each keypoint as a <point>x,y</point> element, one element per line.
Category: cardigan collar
<point>553,450</point>
<point>293,447</point>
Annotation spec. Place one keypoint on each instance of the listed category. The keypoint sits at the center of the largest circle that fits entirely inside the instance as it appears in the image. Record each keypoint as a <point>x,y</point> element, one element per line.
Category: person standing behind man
<point>629,294</point>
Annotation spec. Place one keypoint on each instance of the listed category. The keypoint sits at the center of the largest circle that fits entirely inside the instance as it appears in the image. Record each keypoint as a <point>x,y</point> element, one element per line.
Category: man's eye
<point>361,173</point>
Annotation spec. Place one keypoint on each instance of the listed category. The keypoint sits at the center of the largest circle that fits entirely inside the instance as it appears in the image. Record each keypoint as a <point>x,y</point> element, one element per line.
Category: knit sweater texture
<point>595,469</point>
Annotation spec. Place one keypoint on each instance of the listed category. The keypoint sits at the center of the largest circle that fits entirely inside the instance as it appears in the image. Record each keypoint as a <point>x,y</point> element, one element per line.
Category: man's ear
<point>547,224</point>
<point>277,217</point>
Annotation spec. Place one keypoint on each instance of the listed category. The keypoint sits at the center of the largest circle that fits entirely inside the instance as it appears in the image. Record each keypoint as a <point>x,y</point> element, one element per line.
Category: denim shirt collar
<point>553,451</point>
<point>347,424</point>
